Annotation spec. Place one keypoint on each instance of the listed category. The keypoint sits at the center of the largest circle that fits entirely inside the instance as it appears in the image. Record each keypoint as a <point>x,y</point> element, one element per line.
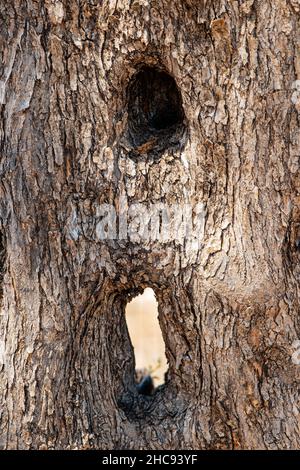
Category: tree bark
<point>229,312</point>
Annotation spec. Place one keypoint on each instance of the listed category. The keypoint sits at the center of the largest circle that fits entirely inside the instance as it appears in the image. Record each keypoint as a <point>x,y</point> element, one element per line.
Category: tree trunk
<point>114,103</point>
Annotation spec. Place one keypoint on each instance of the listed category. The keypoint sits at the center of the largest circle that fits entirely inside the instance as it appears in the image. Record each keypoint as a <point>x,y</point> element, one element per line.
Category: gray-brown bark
<point>229,313</point>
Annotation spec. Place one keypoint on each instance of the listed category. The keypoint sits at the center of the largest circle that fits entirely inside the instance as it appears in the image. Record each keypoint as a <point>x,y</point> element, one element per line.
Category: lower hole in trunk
<point>147,341</point>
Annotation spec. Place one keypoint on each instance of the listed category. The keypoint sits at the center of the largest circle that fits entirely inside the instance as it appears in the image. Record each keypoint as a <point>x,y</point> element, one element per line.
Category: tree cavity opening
<point>155,113</point>
<point>148,344</point>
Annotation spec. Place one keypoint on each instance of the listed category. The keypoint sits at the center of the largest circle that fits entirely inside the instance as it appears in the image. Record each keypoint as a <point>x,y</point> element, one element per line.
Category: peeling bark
<point>229,312</point>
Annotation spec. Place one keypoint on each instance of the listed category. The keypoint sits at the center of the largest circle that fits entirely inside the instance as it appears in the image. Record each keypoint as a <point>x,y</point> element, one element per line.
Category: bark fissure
<point>2,263</point>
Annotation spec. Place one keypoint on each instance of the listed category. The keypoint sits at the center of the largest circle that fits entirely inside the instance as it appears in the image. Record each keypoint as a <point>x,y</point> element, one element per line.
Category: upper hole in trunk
<point>147,341</point>
<point>155,112</point>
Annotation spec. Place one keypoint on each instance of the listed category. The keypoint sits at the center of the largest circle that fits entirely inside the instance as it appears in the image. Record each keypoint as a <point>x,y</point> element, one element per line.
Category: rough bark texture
<point>230,312</point>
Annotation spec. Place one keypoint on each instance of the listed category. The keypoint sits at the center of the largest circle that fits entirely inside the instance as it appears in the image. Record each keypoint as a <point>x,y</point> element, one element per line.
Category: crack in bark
<point>2,263</point>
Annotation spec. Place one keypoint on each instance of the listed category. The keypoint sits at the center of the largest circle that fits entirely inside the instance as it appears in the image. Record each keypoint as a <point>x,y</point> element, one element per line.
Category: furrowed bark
<point>72,139</point>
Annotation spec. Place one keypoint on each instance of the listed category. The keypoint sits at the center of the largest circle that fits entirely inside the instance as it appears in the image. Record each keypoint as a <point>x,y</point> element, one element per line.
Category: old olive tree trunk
<point>108,103</point>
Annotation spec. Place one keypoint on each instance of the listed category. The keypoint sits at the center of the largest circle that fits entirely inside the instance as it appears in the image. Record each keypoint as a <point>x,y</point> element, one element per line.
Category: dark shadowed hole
<point>155,112</point>
<point>146,337</point>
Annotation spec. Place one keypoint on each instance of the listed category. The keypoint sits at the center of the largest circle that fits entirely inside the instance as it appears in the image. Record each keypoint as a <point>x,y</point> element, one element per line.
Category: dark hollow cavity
<point>155,112</point>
